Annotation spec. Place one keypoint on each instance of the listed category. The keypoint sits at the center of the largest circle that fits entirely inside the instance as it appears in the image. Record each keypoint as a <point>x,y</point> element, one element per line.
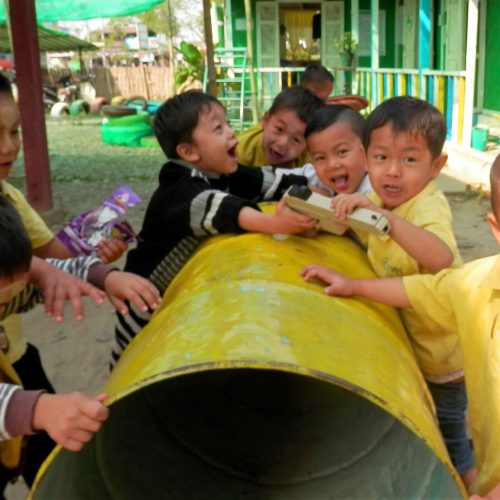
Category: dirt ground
<point>76,355</point>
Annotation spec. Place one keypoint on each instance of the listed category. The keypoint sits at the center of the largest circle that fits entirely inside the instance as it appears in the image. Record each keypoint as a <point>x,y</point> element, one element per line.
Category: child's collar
<point>208,175</point>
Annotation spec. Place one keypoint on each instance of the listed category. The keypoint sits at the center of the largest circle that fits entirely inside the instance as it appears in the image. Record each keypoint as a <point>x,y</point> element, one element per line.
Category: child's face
<point>213,146</point>
<point>283,140</point>
<point>400,165</point>
<point>338,157</point>
<point>9,134</point>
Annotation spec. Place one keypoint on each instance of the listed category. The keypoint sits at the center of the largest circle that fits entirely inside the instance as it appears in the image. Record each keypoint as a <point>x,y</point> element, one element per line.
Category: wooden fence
<point>150,82</point>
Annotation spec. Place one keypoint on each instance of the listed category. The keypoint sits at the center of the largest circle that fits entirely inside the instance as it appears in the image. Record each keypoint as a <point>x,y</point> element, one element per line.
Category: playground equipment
<point>251,383</point>
<point>126,130</point>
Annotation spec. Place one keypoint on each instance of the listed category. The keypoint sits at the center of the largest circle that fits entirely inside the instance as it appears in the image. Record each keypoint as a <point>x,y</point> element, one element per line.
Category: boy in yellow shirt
<point>404,137</point>
<point>279,140</point>
<point>467,301</point>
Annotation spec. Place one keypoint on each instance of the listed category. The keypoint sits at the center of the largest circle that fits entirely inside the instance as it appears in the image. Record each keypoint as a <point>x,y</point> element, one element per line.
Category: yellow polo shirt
<point>467,301</point>
<point>251,152</point>
<point>39,235</point>
<point>437,352</point>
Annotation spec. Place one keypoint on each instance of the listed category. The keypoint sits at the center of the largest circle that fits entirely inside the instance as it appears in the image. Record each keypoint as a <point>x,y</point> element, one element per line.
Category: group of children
<point>212,184</point>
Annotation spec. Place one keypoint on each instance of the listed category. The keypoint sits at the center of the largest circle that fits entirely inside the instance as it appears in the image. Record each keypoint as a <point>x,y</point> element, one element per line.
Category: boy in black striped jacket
<point>202,191</point>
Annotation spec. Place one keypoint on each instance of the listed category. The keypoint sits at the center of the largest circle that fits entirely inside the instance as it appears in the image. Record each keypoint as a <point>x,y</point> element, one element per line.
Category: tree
<point>186,17</point>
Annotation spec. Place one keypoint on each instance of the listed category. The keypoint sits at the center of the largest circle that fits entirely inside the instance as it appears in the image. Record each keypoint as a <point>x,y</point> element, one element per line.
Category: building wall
<point>492,57</point>
<point>388,60</point>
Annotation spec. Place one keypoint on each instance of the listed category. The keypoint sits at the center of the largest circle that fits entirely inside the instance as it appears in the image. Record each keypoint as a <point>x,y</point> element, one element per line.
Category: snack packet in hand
<point>84,232</point>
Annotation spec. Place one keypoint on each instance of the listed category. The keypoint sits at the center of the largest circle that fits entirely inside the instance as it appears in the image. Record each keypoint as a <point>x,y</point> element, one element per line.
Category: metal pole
<point>29,80</point>
<point>253,87</point>
<point>207,22</point>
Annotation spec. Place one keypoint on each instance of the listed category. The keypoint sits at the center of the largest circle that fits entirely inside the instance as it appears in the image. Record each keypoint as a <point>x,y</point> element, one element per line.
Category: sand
<point>75,354</point>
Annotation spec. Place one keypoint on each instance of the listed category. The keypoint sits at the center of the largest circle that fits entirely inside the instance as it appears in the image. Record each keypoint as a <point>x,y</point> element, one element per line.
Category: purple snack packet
<point>85,231</point>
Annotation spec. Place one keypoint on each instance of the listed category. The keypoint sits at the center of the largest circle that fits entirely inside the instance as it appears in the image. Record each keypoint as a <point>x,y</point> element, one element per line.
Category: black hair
<point>15,245</point>
<point>178,116</point>
<point>5,86</point>
<point>412,115</point>
<point>495,188</point>
<point>298,99</point>
<point>336,113</point>
<point>316,73</point>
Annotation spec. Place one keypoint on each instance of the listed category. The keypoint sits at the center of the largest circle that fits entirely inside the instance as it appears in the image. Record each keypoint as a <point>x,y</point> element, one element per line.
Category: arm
<point>119,286</point>
<point>423,246</point>
<point>55,249</point>
<point>58,286</point>
<point>388,291</point>
<point>284,220</point>
<point>108,250</point>
<point>263,183</point>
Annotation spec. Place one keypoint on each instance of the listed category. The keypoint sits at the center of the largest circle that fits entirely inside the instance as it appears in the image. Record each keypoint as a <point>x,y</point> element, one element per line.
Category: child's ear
<point>187,152</point>
<point>265,119</point>
<point>438,164</point>
<point>494,226</point>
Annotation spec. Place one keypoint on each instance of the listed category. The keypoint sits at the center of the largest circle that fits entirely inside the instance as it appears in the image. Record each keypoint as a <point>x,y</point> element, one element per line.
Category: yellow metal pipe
<point>251,382</point>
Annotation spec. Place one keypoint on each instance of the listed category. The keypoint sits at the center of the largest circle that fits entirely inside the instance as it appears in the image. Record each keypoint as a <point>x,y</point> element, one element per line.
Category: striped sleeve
<point>263,183</point>
<point>213,212</point>
<point>77,266</point>
<point>6,393</point>
<point>24,301</point>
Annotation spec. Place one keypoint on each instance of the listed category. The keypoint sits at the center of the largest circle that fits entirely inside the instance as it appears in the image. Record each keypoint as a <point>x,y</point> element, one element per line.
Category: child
<point>24,356</point>
<point>318,80</point>
<point>334,138</point>
<point>279,141</point>
<point>202,192</point>
<point>404,137</point>
<point>16,297</point>
<point>466,301</point>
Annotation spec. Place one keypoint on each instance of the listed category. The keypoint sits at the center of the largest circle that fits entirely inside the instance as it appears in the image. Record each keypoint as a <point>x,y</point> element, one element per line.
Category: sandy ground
<point>76,355</point>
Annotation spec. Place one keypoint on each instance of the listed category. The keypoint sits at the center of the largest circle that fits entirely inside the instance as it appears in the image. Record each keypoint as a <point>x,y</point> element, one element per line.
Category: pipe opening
<point>247,433</point>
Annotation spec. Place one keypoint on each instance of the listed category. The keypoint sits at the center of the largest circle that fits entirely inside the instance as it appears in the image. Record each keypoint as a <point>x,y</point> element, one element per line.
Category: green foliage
<point>193,63</point>
<point>347,43</point>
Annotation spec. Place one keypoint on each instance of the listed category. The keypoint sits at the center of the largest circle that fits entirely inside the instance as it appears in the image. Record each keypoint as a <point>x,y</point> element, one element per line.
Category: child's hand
<point>57,287</point>
<point>344,204</point>
<point>338,283</point>
<point>288,221</point>
<point>70,419</point>
<point>111,250</point>
<point>121,286</point>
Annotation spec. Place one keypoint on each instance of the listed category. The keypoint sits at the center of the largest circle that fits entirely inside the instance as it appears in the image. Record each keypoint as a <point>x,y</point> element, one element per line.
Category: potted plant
<point>347,45</point>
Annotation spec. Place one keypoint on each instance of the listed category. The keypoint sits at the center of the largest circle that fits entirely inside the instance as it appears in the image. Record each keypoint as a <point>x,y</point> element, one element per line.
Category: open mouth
<point>390,188</point>
<point>232,153</point>
<point>340,182</point>
<point>275,155</point>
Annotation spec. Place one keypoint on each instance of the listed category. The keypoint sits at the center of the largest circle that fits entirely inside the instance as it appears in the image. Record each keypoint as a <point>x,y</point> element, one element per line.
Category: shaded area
<point>48,40</point>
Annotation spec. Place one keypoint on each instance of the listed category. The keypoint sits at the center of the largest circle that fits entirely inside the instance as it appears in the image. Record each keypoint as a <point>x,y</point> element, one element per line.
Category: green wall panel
<point>492,57</point>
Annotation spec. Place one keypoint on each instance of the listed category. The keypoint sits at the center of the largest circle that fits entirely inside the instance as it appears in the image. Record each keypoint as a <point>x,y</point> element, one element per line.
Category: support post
<point>29,80</point>
<point>251,67</point>
<point>470,70</point>
<point>424,46</point>
<point>374,16</point>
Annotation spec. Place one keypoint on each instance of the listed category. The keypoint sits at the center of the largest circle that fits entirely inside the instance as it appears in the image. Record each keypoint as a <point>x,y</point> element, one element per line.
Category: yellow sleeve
<point>430,297</point>
<point>438,220</point>
<point>38,231</point>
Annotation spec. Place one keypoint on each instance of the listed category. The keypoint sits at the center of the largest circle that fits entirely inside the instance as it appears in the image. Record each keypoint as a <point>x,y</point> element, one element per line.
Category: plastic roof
<point>77,10</point>
<point>48,40</point>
